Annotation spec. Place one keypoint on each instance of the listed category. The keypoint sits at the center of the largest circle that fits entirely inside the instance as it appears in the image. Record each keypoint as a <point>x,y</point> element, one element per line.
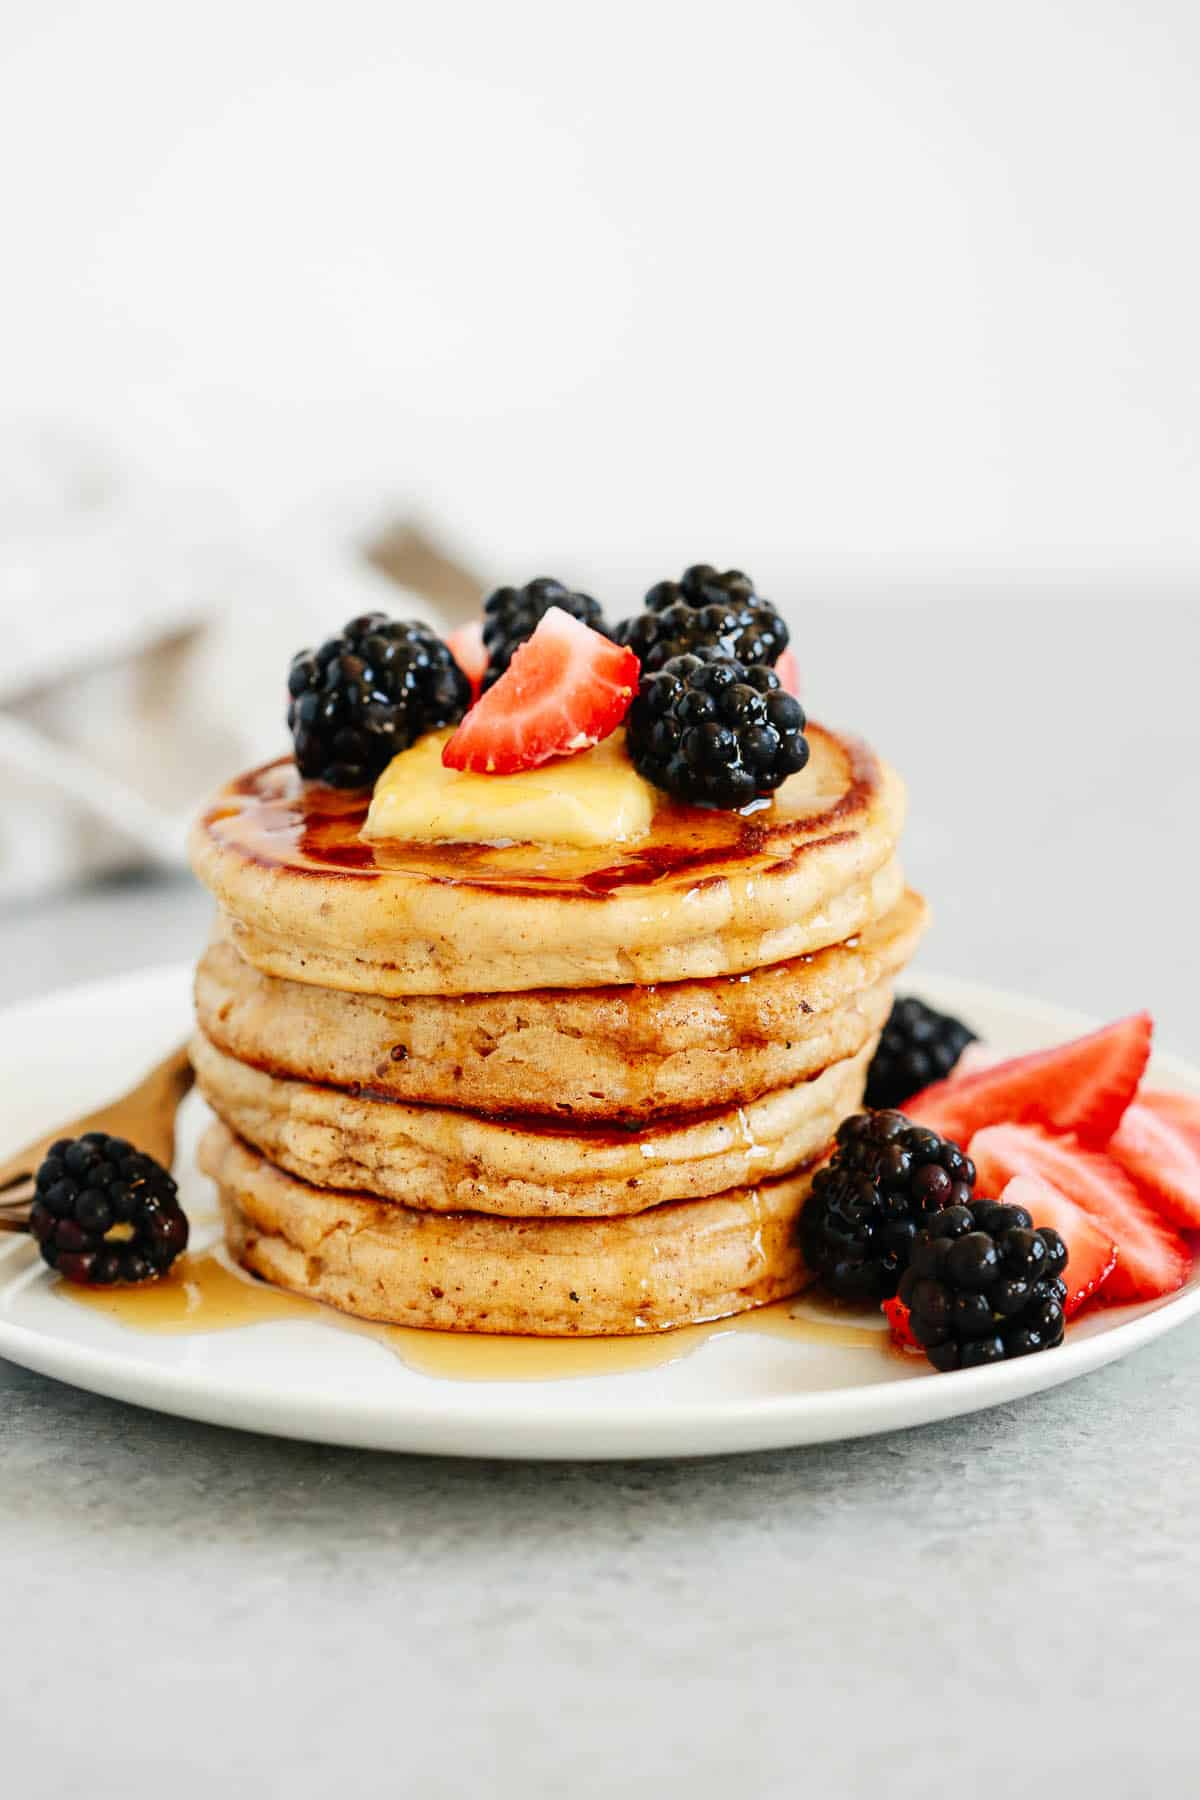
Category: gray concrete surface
<point>1002,1605</point>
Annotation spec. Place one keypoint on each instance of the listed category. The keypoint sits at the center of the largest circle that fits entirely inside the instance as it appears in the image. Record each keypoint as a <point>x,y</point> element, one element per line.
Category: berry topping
<point>918,1046</point>
<point>512,615</point>
<point>1152,1258</point>
<point>788,671</point>
<point>715,732</point>
<point>886,1179</point>
<point>467,647</point>
<point>368,694</point>
<point>899,1323</point>
<point>1081,1087</point>
<point>104,1212</point>
<point>1160,1153</point>
<point>705,611</point>
<point>1093,1255</point>
<point>565,690</point>
<point>1182,1109</point>
<point>982,1285</point>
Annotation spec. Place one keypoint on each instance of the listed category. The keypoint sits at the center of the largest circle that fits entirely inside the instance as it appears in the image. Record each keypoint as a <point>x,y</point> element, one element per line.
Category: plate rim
<point>685,1427</point>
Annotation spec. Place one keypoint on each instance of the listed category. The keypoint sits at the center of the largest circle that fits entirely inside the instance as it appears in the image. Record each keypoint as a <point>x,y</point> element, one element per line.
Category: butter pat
<point>596,797</point>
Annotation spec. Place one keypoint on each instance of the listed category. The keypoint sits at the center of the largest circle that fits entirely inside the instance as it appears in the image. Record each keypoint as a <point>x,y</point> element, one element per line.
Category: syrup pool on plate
<point>203,1294</point>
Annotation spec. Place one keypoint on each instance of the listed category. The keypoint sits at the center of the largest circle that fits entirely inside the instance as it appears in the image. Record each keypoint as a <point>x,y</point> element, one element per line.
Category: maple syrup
<point>274,818</point>
<point>203,1294</point>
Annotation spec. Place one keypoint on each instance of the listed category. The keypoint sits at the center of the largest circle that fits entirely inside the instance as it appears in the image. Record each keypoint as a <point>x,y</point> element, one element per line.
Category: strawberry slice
<point>565,689</point>
<point>1082,1087</point>
<point>788,671</point>
<point>1091,1253</point>
<point>897,1316</point>
<point>1162,1157</point>
<point>1183,1110</point>
<point>470,653</point>
<point>1152,1258</point>
<point>976,1057</point>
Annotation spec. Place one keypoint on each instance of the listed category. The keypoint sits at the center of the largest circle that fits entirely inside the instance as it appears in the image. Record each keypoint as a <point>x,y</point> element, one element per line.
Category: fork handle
<point>14,1208</point>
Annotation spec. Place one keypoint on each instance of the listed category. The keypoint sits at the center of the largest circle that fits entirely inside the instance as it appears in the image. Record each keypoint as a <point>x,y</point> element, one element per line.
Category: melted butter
<point>203,1295</point>
<point>595,797</point>
<point>273,818</point>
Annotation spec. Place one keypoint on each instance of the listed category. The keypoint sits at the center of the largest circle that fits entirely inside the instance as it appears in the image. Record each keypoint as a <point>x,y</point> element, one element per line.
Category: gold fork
<point>145,1115</point>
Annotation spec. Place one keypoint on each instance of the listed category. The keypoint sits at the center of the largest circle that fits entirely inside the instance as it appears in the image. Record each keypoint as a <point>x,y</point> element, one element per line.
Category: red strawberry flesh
<point>1183,1110</point>
<point>788,671</point>
<point>565,689</point>
<point>1091,1252</point>
<point>470,653</point>
<point>1082,1087</point>
<point>1152,1258</point>
<point>1162,1157</point>
<point>897,1316</point>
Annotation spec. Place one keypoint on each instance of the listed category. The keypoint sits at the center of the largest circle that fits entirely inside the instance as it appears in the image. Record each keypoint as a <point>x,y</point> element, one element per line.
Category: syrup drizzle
<point>271,817</point>
<point>203,1294</point>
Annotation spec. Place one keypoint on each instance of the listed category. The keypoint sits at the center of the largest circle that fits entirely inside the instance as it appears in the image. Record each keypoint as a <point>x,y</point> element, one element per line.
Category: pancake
<point>437,1159</point>
<point>618,1052</point>
<point>678,1265</point>
<point>305,898</point>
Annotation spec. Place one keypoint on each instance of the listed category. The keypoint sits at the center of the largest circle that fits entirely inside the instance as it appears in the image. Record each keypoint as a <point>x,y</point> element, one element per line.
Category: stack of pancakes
<point>539,1090</point>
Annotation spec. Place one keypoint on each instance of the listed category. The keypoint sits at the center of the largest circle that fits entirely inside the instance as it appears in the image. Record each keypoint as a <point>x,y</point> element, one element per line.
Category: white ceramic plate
<point>309,1379</point>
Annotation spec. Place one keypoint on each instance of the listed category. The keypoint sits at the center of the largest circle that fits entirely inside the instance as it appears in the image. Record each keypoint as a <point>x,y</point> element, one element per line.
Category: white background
<point>894,304</point>
<point>807,287</point>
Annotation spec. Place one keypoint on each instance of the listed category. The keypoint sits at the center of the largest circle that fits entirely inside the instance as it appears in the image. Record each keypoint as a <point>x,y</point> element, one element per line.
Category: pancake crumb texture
<point>679,1265</point>
<point>303,897</point>
<point>438,1159</point>
<point>536,1090</point>
<point>621,1052</point>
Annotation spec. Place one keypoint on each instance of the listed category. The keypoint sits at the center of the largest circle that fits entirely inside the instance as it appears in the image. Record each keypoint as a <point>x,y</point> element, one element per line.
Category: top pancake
<point>706,893</point>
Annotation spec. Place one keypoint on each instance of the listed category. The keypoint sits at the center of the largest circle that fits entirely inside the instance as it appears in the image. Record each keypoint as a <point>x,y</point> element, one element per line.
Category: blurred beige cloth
<point>146,640</point>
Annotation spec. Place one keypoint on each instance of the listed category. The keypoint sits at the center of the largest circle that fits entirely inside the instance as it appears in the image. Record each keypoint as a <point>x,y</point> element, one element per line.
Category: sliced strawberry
<point>469,652</point>
<point>788,671</point>
<point>1152,1258</point>
<point>565,689</point>
<point>1183,1110</point>
<point>1091,1253</point>
<point>1163,1159</point>
<point>897,1316</point>
<point>1082,1087</point>
<point>974,1058</point>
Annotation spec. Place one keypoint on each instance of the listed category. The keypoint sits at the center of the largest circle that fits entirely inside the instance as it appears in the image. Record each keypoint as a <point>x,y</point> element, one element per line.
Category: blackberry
<point>982,1285</point>
<point>104,1212</point>
<point>511,615</point>
<point>369,693</point>
<point>886,1180</point>
<point>918,1046</point>
<point>705,609</point>
<point>715,732</point>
